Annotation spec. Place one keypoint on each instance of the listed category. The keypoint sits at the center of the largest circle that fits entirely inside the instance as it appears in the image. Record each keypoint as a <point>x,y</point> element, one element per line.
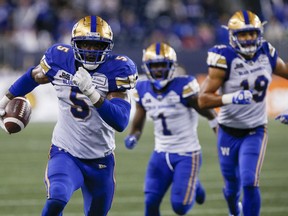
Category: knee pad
<point>248,178</point>
<point>60,191</point>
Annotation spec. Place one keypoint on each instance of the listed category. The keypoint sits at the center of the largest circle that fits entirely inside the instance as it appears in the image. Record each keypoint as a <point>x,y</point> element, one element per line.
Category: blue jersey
<point>254,74</point>
<point>175,124</point>
<point>80,130</point>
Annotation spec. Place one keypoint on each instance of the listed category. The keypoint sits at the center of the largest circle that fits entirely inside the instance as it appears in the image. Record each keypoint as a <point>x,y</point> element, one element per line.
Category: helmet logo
<point>94,34</point>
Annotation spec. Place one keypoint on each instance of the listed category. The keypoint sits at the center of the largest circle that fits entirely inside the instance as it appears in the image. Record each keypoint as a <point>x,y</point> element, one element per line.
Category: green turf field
<point>23,159</point>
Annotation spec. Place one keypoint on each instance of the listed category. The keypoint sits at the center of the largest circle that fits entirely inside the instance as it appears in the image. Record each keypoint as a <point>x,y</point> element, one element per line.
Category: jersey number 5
<point>80,109</point>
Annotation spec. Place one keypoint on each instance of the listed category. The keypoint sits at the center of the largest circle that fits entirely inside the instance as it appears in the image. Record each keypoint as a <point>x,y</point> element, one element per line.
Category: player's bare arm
<point>138,121</point>
<point>207,113</point>
<point>210,114</point>
<point>39,76</point>
<point>281,68</point>
<point>208,98</point>
<point>9,95</point>
<point>136,127</point>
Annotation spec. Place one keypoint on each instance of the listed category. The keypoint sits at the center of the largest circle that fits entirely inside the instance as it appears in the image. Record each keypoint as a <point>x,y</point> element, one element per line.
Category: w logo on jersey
<point>225,151</point>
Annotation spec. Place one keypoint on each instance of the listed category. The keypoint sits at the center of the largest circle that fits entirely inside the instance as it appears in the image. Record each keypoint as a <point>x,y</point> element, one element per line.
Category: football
<point>17,116</point>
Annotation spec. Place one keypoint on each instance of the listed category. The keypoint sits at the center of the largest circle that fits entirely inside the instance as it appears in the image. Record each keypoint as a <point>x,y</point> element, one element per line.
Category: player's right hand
<point>3,103</point>
<point>242,97</point>
<point>283,117</point>
<point>83,80</point>
<point>130,141</point>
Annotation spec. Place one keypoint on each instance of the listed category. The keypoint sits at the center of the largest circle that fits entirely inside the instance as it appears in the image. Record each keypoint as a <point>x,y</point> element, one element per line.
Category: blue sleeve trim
<point>23,84</point>
<point>116,113</point>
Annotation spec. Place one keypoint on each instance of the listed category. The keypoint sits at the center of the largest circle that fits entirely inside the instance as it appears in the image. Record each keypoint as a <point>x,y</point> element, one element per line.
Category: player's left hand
<point>283,117</point>
<point>242,97</point>
<point>84,82</point>
<point>130,141</point>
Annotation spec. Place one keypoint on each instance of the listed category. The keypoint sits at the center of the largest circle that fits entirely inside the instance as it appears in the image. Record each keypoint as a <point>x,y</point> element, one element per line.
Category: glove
<point>283,117</point>
<point>130,141</point>
<point>84,82</point>
<point>2,125</point>
<point>3,103</point>
<point>239,97</point>
<point>242,97</point>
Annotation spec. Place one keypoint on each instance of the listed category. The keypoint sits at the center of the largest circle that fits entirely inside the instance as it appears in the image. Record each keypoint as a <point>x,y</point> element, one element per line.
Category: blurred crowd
<point>28,27</point>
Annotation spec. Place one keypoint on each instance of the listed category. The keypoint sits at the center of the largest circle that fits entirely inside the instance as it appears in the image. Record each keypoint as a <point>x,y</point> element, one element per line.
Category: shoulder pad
<point>272,49</point>
<point>58,55</point>
<point>217,56</point>
<point>192,88</point>
<point>123,70</point>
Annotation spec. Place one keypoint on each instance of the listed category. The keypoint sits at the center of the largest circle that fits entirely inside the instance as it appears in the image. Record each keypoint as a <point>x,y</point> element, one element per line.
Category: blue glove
<point>130,141</point>
<point>242,97</point>
<point>283,117</point>
<point>238,97</point>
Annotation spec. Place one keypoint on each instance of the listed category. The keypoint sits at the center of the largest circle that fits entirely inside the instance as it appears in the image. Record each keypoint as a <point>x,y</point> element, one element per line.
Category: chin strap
<point>90,66</point>
<point>157,85</point>
<point>160,84</point>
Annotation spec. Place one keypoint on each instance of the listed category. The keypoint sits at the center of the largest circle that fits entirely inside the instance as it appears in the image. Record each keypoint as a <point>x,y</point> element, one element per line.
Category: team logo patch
<point>225,151</point>
<point>102,166</point>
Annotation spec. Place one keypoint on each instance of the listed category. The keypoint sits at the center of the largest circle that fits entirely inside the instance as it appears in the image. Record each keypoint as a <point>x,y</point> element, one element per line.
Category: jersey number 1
<point>166,131</point>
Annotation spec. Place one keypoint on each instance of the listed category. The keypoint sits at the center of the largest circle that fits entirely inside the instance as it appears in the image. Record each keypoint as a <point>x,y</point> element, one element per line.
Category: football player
<point>91,86</point>
<point>171,102</point>
<point>242,73</point>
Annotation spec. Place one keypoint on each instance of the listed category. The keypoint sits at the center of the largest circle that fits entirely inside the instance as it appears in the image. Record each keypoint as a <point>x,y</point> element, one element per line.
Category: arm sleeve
<point>23,85</point>
<point>116,113</point>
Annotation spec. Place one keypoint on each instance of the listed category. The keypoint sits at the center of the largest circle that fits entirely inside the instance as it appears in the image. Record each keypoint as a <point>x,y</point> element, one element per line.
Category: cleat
<point>240,207</point>
<point>200,193</point>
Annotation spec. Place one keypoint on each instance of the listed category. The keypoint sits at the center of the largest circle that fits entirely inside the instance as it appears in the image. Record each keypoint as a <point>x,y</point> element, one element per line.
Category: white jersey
<point>175,124</point>
<point>254,74</point>
<point>80,130</point>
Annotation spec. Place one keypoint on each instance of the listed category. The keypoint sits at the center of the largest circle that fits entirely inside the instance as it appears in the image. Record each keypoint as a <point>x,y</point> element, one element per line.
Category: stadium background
<point>28,27</point>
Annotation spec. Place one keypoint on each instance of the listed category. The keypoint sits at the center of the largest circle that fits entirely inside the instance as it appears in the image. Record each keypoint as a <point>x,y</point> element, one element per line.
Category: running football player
<point>242,72</point>
<point>91,86</point>
<point>171,102</point>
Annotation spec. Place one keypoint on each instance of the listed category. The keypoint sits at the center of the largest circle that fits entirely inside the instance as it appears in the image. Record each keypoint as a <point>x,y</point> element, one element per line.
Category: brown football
<point>18,113</point>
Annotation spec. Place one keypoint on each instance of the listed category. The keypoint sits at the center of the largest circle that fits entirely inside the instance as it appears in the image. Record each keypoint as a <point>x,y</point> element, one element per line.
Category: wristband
<point>5,100</point>
<point>94,97</point>
<point>213,123</point>
<point>227,98</point>
<point>3,103</point>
